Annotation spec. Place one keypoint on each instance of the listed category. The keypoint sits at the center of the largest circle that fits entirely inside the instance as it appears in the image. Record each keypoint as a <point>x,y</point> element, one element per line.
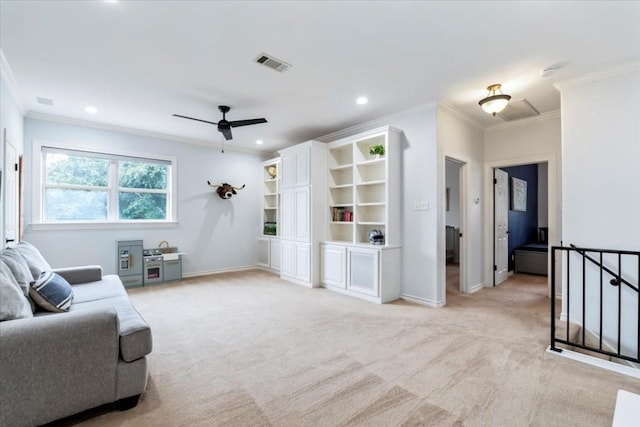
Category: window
<point>83,186</point>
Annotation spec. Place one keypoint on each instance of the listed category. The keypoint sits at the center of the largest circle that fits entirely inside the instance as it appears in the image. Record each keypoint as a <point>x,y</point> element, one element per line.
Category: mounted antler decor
<point>224,190</point>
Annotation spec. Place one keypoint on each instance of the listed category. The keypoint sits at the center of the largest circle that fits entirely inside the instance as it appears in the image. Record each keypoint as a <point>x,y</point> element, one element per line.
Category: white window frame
<point>112,221</point>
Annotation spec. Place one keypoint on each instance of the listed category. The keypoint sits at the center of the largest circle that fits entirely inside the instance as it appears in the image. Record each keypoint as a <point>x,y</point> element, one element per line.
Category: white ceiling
<point>139,62</point>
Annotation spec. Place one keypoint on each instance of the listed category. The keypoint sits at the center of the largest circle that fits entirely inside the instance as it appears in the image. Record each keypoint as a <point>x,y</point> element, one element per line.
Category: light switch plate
<point>421,206</point>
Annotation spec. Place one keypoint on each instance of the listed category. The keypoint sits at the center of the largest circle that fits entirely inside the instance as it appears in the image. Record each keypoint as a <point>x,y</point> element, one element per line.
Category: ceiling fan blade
<point>226,132</point>
<point>199,120</point>
<point>237,123</point>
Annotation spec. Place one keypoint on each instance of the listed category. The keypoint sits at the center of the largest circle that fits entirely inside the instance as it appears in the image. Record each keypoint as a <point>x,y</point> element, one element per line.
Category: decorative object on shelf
<point>272,171</point>
<point>376,150</point>
<point>270,229</point>
<point>494,103</point>
<point>376,237</point>
<point>225,190</point>
<point>518,195</point>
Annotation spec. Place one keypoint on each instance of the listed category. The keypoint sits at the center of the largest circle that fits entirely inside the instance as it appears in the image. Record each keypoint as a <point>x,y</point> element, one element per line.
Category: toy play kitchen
<point>144,267</point>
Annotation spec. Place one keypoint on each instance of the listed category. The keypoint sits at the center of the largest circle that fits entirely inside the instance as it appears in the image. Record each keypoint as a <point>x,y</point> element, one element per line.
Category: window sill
<point>102,225</point>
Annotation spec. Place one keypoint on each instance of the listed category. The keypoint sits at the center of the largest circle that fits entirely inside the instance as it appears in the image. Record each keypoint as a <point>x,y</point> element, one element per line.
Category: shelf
<point>342,222</point>
<point>341,186</point>
<point>372,161</point>
<point>341,167</point>
<point>271,180</point>
<point>270,194</point>
<point>371,223</point>
<point>341,205</point>
<point>371,204</point>
<point>270,209</point>
<point>377,182</point>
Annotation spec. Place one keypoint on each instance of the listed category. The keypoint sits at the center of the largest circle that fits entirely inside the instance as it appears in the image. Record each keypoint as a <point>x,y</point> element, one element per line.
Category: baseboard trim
<point>599,363</point>
<point>422,301</point>
<point>476,288</point>
<point>220,271</point>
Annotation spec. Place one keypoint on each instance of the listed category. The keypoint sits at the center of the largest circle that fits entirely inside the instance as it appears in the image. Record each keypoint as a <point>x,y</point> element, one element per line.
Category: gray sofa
<point>53,365</point>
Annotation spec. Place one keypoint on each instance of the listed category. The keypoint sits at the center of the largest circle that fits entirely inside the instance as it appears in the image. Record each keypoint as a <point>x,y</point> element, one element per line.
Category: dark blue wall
<point>523,226</point>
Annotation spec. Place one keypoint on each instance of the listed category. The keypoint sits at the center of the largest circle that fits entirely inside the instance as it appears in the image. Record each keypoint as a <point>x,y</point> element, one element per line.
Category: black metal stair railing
<point>591,291</point>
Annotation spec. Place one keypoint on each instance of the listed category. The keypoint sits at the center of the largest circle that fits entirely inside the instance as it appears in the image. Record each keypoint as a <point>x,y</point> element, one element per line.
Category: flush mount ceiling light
<point>362,100</point>
<point>259,142</point>
<point>494,103</point>
<point>90,109</point>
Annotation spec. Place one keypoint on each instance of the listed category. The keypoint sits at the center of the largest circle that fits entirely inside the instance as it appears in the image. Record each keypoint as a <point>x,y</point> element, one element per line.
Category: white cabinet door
<point>263,252</point>
<point>363,271</point>
<point>288,214</point>
<point>288,260</point>
<point>275,254</point>
<point>287,169</point>
<point>302,169</point>
<point>333,265</point>
<point>302,214</point>
<point>303,262</point>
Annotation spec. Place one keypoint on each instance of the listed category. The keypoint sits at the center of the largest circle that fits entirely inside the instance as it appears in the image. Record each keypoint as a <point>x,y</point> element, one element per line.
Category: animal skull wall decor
<point>225,190</point>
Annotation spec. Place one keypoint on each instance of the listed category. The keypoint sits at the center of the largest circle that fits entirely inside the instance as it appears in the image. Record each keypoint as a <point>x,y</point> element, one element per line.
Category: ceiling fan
<point>224,125</point>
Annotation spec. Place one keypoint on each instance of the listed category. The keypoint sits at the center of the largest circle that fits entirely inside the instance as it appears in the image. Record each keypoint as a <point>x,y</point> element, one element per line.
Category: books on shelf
<point>342,215</point>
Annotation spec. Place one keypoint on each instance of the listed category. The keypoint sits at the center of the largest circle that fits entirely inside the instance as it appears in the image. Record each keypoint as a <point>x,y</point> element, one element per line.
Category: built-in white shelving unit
<point>363,195</point>
<point>269,240</point>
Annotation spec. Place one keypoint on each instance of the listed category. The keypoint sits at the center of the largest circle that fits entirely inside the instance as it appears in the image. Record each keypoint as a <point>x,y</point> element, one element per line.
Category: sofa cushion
<point>109,286</point>
<point>52,292</point>
<point>37,264</point>
<point>13,303</point>
<point>20,271</point>
<point>135,334</point>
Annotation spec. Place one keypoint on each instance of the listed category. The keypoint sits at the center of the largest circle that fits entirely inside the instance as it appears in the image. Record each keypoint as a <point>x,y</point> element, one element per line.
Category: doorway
<point>520,220</point>
<point>454,215</point>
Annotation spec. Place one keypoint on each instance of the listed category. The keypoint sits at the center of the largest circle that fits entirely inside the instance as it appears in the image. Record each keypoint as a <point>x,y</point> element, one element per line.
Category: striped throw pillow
<point>51,292</point>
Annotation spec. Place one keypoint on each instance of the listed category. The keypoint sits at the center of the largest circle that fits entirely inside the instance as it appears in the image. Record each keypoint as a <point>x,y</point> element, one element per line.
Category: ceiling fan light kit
<point>494,103</point>
<point>224,125</point>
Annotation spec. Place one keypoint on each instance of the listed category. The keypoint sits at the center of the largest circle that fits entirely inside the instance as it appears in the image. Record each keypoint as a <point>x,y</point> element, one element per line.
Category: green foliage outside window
<point>77,188</point>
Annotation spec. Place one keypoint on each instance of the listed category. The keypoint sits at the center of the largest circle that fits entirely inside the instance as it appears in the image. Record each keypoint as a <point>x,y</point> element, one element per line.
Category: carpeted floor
<point>248,349</point>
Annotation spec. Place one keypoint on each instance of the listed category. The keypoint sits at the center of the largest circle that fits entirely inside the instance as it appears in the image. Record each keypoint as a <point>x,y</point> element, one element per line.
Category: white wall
<point>601,197</point>
<point>217,234</point>
<point>522,142</point>
<point>461,140</point>
<point>420,181</point>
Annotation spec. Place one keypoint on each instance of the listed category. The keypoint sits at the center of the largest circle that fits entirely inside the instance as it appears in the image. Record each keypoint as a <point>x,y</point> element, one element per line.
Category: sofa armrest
<point>56,365</point>
<point>83,274</point>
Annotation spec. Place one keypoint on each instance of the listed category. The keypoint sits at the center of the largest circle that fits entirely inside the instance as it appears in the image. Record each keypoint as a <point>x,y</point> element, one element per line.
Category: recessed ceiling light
<point>362,100</point>
<point>259,142</point>
<point>91,110</point>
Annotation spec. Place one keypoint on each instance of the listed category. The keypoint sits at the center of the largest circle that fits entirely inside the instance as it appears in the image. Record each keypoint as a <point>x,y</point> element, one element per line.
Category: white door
<point>287,169</point>
<point>302,201</point>
<point>333,265</point>
<point>363,271</point>
<point>10,188</point>
<point>275,254</point>
<point>303,259</point>
<point>501,223</point>
<point>287,215</point>
<point>287,261</point>
<point>302,166</point>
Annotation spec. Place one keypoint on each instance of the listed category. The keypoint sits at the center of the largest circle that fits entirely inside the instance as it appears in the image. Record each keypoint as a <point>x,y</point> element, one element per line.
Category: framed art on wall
<point>518,195</point>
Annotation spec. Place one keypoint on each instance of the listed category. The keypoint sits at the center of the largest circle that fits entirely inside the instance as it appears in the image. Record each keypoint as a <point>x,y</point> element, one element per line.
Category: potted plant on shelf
<point>376,150</point>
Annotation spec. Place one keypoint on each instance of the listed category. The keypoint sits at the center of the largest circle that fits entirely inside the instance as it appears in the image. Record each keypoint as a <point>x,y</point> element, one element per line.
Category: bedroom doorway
<point>453,225</point>
<point>520,220</point>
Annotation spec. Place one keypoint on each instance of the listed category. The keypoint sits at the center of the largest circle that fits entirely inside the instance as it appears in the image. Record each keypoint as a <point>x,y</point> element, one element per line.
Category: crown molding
<point>617,70</point>
<point>10,80</point>
<point>450,109</point>
<point>524,122</point>
<point>383,120</point>
<point>140,132</point>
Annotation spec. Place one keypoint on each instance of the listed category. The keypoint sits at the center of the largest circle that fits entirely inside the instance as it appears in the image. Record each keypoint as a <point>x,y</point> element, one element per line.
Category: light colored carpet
<point>248,349</point>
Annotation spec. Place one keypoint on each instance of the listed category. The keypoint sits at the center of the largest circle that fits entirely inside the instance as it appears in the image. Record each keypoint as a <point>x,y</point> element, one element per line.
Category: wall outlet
<point>421,206</point>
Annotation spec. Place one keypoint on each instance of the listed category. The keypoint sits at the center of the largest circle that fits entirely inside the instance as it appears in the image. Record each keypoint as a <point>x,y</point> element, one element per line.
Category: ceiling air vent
<point>44,101</point>
<point>271,62</point>
<point>517,110</point>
